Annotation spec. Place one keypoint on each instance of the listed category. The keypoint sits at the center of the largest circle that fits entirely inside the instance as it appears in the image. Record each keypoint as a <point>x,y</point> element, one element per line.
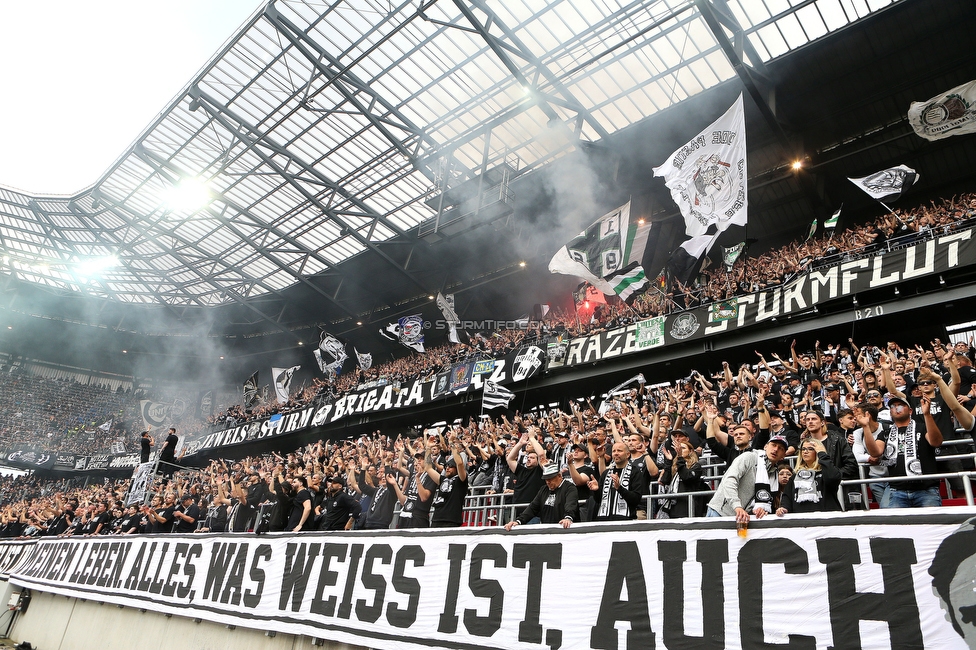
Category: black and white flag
<point>282,382</point>
<point>951,113</point>
<point>887,184</point>
<point>446,305</point>
<point>365,359</point>
<point>685,261</point>
<point>495,396</point>
<point>251,390</point>
<point>330,354</point>
<point>611,244</point>
<point>707,175</point>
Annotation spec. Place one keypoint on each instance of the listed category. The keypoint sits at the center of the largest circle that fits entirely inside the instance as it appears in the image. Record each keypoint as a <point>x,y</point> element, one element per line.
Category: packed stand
<point>838,410</point>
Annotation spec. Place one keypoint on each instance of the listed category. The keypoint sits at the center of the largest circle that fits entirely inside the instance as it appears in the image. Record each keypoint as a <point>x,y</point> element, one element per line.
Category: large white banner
<point>859,580</point>
<point>707,176</point>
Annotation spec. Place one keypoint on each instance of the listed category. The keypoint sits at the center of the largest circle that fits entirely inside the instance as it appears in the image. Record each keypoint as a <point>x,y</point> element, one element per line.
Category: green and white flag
<point>813,229</point>
<point>628,283</point>
<point>609,246</point>
<point>731,253</point>
<point>832,222</point>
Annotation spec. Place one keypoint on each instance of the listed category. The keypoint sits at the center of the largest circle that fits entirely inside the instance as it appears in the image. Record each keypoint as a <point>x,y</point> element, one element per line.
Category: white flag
<point>446,305</point>
<point>365,359</point>
<point>887,184</point>
<point>495,396</point>
<point>707,176</point>
<point>154,414</point>
<point>106,426</point>
<point>951,113</point>
<point>282,382</point>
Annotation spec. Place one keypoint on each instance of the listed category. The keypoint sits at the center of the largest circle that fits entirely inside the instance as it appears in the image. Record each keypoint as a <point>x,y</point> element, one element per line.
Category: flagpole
<point>893,213</point>
<point>579,329</point>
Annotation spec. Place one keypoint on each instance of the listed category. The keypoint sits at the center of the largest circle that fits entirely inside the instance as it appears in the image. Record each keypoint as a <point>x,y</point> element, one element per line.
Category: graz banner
<point>517,366</point>
<point>859,580</point>
<point>841,280</point>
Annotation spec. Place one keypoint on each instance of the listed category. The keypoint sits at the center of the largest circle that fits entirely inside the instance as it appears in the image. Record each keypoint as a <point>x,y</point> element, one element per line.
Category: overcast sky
<point>81,79</point>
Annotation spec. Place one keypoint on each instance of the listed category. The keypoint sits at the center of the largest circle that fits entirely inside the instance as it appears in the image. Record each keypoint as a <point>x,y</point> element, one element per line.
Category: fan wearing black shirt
<point>167,455</point>
<point>452,487</point>
<point>382,499</point>
<point>301,506</point>
<point>338,509</point>
<point>528,475</point>
<point>147,442</point>
<point>187,514</point>
<point>130,522</point>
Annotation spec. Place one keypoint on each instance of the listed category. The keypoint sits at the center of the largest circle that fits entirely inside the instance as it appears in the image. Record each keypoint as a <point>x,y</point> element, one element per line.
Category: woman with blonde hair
<point>682,475</point>
<point>815,482</point>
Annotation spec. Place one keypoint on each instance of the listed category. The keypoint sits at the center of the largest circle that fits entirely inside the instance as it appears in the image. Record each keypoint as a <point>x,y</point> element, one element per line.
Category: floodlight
<point>96,265</point>
<point>190,194</point>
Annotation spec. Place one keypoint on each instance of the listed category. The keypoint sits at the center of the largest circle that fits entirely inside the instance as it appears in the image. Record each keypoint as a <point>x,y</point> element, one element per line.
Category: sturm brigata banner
<point>857,580</point>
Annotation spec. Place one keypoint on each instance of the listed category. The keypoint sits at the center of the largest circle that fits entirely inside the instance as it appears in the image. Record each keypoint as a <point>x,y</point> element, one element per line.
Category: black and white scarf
<point>671,488</point>
<point>904,443</point>
<point>619,506</point>
<point>805,487</point>
<point>767,482</point>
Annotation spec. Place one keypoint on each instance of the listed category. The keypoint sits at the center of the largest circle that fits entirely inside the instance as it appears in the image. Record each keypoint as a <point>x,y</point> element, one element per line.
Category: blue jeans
<point>895,498</point>
<point>878,492</point>
<point>709,512</point>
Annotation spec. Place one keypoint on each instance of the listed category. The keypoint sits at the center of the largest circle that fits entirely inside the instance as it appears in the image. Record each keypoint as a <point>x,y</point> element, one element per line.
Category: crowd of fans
<point>775,267</point>
<point>747,274</point>
<point>58,415</point>
<point>762,405</point>
<point>416,366</point>
<point>64,415</point>
<point>888,408</point>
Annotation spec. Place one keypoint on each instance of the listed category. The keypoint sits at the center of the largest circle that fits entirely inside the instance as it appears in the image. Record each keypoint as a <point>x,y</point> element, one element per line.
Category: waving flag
<point>446,305</point>
<point>409,331</point>
<point>495,396</point>
<point>610,245</point>
<point>251,390</point>
<point>951,113</point>
<point>834,218</point>
<point>330,354</point>
<point>282,382</point>
<point>707,175</point>
<point>888,184</point>
<point>365,359</point>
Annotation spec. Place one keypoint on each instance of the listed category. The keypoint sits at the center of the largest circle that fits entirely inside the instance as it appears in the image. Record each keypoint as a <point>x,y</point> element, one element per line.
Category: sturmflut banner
<point>869,580</point>
<point>845,279</point>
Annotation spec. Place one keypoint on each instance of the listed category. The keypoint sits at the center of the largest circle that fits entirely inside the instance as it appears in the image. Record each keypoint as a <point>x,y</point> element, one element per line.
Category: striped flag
<point>832,222</point>
<point>495,396</point>
<point>813,229</point>
<point>628,282</point>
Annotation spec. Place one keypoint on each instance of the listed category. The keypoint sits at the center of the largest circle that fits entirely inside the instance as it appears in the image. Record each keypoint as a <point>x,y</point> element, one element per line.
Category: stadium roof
<point>321,132</point>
